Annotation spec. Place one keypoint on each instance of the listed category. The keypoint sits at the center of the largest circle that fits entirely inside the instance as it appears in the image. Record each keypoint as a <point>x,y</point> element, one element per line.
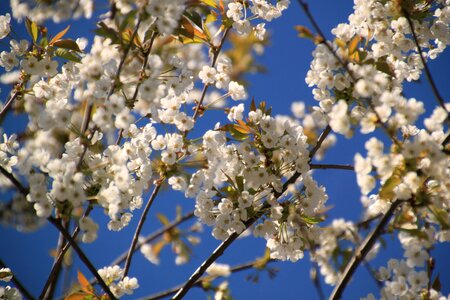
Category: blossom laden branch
<point>216,52</point>
<point>433,85</point>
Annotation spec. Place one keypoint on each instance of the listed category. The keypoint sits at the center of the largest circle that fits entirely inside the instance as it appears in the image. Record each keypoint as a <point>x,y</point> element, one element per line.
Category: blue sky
<point>287,60</point>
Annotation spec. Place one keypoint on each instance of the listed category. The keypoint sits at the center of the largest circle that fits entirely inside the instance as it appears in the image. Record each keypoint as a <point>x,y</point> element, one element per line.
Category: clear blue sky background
<point>287,60</point>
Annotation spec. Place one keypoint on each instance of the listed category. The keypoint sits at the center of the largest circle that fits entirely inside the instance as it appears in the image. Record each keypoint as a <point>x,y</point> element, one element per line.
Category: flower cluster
<point>364,87</point>
<point>410,277</point>
<point>243,180</point>
<point>119,286</point>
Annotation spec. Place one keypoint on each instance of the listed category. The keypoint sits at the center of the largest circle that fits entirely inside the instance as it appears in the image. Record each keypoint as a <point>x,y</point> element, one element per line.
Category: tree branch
<point>332,166</point>
<point>23,190</point>
<point>205,265</point>
<point>139,227</point>
<point>59,259</point>
<point>362,250</point>
<point>154,236</point>
<point>81,255</point>
<point>18,284</point>
<point>8,104</point>
<point>344,64</point>
<point>235,269</point>
<point>49,289</point>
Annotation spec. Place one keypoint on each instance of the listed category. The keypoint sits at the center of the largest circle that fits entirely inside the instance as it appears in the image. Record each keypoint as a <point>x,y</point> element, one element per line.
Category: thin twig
<point>324,41</point>
<point>205,265</point>
<point>49,290</point>
<point>332,166</point>
<point>150,238</point>
<point>60,257</point>
<point>139,227</point>
<point>235,269</point>
<point>154,236</point>
<point>82,256</point>
<point>316,281</point>
<point>216,53</point>
<point>23,190</point>
<point>8,104</point>
<point>434,88</point>
<point>122,61</point>
<point>17,283</point>
<point>141,77</point>
<point>362,250</point>
<point>372,273</point>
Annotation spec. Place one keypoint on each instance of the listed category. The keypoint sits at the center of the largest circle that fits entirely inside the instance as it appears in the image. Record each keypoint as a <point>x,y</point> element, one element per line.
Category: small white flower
<point>236,91</point>
<point>207,75</point>
<point>5,26</point>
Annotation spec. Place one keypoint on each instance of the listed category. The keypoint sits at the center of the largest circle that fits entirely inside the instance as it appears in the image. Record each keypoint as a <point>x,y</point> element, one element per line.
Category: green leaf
<point>229,180</point>
<point>107,32</point>
<point>67,44</point>
<point>441,216</point>
<point>67,55</point>
<point>240,182</point>
<point>311,220</point>
<point>387,190</point>
<point>163,219</point>
<point>32,29</point>
<point>237,135</point>
<point>384,67</point>
<point>210,3</point>
<point>127,20</point>
<point>194,17</point>
<point>352,46</point>
<point>211,17</point>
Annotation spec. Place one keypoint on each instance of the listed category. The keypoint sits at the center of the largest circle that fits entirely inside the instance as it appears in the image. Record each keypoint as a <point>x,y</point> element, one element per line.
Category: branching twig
<point>81,255</point>
<point>173,290</point>
<point>154,236</point>
<point>150,238</point>
<point>139,227</point>
<point>8,104</point>
<point>17,283</point>
<point>205,265</point>
<point>344,64</point>
<point>362,250</point>
<point>216,53</point>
